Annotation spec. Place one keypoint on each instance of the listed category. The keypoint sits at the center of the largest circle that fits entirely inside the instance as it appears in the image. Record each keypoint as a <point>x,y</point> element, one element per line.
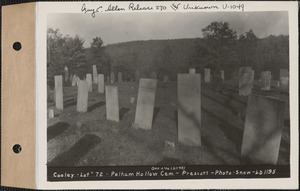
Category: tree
<point>219,31</point>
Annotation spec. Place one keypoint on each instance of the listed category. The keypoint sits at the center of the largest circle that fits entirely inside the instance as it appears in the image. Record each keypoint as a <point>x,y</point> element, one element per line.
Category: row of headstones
<point>263,124</point>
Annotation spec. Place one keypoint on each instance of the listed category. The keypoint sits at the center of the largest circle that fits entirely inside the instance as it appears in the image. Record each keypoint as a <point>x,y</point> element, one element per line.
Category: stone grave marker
<point>77,80</point>
<point>74,80</point>
<point>284,80</point>
<point>101,83</point>
<point>262,131</point>
<point>59,100</point>
<point>266,80</point>
<point>222,75</point>
<point>112,77</point>
<point>189,109</point>
<point>192,71</point>
<point>245,81</point>
<point>51,113</point>
<point>145,103</point>
<point>206,75</point>
<point>112,103</point>
<point>95,74</point>
<point>66,74</point>
<point>82,96</point>
<point>120,77</point>
<point>89,80</point>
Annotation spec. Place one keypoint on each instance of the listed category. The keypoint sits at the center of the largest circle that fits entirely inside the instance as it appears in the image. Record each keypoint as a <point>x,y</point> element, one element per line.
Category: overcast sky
<point>124,27</point>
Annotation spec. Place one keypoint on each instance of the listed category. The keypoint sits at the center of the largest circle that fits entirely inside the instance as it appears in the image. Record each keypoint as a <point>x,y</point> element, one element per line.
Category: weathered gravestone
<point>66,74</point>
<point>262,131</point>
<point>153,75</point>
<point>222,75</point>
<point>112,103</point>
<point>101,83</point>
<point>145,103</point>
<point>206,75</point>
<point>51,113</point>
<point>77,80</point>
<point>95,74</point>
<point>137,76</point>
<point>112,77</point>
<point>192,71</point>
<point>89,80</point>
<point>74,80</point>
<point>266,80</point>
<point>166,79</point>
<point>59,100</point>
<point>284,80</point>
<point>189,109</point>
<point>120,77</point>
<point>245,81</point>
<point>82,96</point>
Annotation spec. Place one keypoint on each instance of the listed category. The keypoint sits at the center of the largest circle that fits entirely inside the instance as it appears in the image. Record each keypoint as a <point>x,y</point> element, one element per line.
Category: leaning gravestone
<point>112,77</point>
<point>89,80</point>
<point>82,96</point>
<point>101,83</point>
<point>59,100</point>
<point>222,75</point>
<point>95,74</point>
<point>266,80</point>
<point>189,109</point>
<point>120,77</point>
<point>66,74</point>
<point>145,103</point>
<point>192,71</point>
<point>245,81</point>
<point>74,80</point>
<point>112,103</point>
<point>262,131</point>
<point>206,75</point>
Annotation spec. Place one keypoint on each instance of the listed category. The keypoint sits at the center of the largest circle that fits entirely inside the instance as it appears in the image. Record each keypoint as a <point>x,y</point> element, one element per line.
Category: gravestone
<point>112,103</point>
<point>266,80</point>
<point>262,131</point>
<point>89,80</point>
<point>77,80</point>
<point>112,77</point>
<point>245,81</point>
<point>137,76</point>
<point>189,109</point>
<point>284,80</point>
<point>222,75</point>
<point>145,103</point>
<point>206,75</point>
<point>51,113</point>
<point>95,74</point>
<point>153,75</point>
<point>192,71</point>
<point>66,74</point>
<point>59,100</point>
<point>74,80</point>
<point>166,79</point>
<point>120,77</point>
<point>101,83</point>
<point>82,96</point>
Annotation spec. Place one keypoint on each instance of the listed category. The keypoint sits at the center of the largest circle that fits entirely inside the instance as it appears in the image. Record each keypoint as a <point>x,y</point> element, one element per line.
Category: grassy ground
<point>88,139</point>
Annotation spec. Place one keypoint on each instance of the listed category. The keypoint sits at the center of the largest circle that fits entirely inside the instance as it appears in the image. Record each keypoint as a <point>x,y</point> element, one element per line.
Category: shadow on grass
<point>56,130</point>
<point>123,111</point>
<point>82,147</point>
<point>95,106</point>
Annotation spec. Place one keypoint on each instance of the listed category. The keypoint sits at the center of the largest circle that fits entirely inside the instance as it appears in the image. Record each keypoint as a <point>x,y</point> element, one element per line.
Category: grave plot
<point>104,142</point>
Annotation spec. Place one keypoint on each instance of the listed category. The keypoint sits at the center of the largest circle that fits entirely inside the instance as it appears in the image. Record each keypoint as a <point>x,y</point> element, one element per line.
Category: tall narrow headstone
<point>66,77</point>
<point>192,71</point>
<point>137,76</point>
<point>82,96</point>
<point>206,75</point>
<point>77,81</point>
<point>262,131</point>
<point>153,75</point>
<point>95,74</point>
<point>166,79</point>
<point>145,103</point>
<point>222,75</point>
<point>101,83</point>
<point>189,109</point>
<point>284,80</point>
<point>266,80</point>
<point>89,80</point>
<point>112,103</point>
<point>59,100</point>
<point>120,77</point>
<point>245,81</point>
<point>74,80</point>
<point>112,77</point>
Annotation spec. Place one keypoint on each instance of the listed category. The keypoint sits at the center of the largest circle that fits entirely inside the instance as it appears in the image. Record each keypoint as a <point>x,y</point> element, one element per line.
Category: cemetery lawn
<point>88,139</point>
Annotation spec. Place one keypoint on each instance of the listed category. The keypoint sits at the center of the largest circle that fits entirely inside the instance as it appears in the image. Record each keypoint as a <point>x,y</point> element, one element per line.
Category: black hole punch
<point>17,46</point>
<point>17,148</point>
